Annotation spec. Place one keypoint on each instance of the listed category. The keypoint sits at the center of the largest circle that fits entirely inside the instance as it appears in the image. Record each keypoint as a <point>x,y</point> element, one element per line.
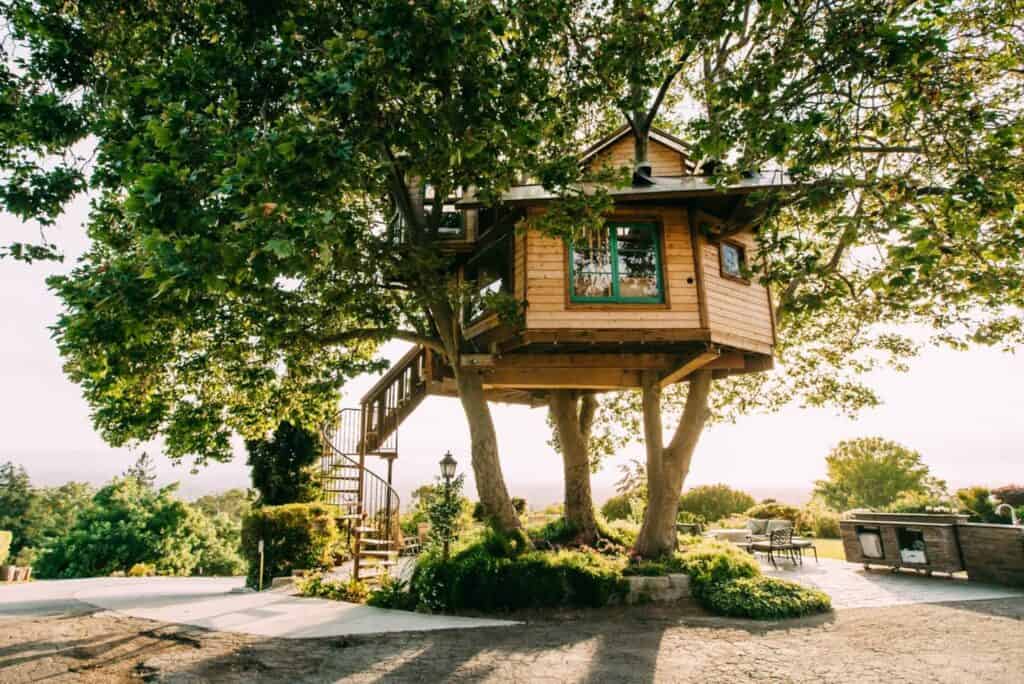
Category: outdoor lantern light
<point>448,466</point>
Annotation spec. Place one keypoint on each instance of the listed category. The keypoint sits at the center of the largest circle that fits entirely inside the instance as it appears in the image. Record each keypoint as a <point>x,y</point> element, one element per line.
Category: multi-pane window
<point>619,264</point>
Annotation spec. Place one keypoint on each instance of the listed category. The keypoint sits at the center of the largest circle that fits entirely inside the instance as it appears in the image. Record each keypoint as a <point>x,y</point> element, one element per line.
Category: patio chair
<point>780,541</point>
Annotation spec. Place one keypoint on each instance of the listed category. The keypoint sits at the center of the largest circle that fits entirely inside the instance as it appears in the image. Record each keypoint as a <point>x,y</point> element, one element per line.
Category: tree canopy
<point>252,165</point>
<point>872,472</point>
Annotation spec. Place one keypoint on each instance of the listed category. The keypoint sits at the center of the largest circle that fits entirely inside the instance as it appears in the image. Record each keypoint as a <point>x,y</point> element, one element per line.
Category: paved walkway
<point>217,604</point>
<point>850,586</point>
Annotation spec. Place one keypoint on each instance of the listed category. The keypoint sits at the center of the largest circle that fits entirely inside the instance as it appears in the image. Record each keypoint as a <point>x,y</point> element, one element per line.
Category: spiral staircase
<point>367,504</point>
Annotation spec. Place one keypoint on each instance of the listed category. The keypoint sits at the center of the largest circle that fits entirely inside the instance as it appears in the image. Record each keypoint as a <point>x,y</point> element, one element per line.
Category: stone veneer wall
<point>993,553</point>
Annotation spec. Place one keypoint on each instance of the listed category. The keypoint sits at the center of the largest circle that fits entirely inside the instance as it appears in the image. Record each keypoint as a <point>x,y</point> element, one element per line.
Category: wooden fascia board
<point>694,364</point>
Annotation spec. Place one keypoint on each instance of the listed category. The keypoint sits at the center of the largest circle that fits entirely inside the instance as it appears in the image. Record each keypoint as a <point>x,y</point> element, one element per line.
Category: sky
<point>961,410</point>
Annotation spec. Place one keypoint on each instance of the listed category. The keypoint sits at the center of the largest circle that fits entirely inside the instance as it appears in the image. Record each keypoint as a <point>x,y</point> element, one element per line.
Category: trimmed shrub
<point>557,532</point>
<point>766,598</point>
<point>1012,494</point>
<point>295,536</point>
<point>774,511</point>
<point>728,581</point>
<point>713,563</point>
<point>714,502</point>
<point>5,545</point>
<point>655,568</point>
<point>476,580</point>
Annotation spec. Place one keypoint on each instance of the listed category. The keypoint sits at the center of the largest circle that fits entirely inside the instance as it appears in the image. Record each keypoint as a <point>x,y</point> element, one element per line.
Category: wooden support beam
<point>728,360</point>
<point>624,361</point>
<point>696,363</point>
<point>562,378</point>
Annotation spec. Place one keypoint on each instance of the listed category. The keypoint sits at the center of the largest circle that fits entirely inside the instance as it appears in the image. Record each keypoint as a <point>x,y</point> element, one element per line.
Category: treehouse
<point>665,286</point>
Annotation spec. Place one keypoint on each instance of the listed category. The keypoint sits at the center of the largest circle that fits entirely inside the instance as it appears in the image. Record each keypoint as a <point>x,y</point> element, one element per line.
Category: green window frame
<point>616,297</point>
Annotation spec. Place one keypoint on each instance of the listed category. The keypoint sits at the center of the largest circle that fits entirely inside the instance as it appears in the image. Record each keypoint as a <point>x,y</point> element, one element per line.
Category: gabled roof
<point>657,135</point>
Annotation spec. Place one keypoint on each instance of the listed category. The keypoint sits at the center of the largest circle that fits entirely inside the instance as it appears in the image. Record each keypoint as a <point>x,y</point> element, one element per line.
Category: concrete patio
<point>219,604</point>
<point>850,586</point>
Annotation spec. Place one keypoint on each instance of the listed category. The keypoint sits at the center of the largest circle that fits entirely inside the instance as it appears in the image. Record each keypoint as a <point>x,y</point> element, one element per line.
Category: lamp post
<point>447,472</point>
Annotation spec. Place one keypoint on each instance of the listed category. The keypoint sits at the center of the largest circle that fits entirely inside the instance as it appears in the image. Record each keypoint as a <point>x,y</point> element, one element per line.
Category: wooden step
<point>364,530</point>
<point>386,554</point>
<point>350,516</point>
<point>377,563</point>
<point>377,542</point>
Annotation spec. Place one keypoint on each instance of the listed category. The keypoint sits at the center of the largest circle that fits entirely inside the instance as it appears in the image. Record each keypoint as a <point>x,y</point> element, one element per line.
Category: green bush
<point>919,502</point>
<point>713,563</point>
<point>817,521</point>
<point>5,546</point>
<point>142,570</point>
<point>774,511</point>
<point>619,507</point>
<point>296,537</point>
<point>558,532</point>
<point>655,568</point>
<point>476,580</point>
<point>714,502</point>
<point>622,532</point>
<point>393,594</point>
<point>977,503</point>
<point>766,598</point>
<point>315,586</point>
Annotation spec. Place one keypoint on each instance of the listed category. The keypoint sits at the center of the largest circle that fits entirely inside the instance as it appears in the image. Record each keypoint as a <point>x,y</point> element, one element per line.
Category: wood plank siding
<point>664,160</point>
<point>739,313</point>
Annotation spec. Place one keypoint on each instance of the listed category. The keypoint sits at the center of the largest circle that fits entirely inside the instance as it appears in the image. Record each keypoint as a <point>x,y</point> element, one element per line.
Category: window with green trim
<point>621,264</point>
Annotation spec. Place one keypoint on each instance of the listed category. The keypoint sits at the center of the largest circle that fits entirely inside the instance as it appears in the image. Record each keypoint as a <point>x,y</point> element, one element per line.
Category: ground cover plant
<point>295,536</point>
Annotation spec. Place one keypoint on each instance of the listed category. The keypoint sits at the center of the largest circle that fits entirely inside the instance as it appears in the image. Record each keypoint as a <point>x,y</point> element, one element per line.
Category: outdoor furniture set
<point>774,538</point>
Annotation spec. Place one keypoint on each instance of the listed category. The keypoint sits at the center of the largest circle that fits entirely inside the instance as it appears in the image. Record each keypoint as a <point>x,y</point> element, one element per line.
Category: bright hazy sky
<point>961,410</point>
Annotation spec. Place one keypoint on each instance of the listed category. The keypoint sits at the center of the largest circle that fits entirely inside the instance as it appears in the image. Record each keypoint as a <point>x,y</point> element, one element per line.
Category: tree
<point>573,416</point>
<point>142,471</point>
<point>16,500</point>
<point>252,167</point>
<point>899,127</point>
<point>872,472</point>
<point>714,502</point>
<point>126,523</point>
<point>245,221</point>
<point>282,466</point>
<point>54,511</point>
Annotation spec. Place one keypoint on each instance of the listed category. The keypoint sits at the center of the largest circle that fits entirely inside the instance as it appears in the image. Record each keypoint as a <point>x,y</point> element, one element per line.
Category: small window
<point>733,258</point>
<point>621,264</point>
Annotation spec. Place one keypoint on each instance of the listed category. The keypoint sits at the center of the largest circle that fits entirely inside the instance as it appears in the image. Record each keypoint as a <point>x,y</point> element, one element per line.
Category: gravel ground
<point>961,642</point>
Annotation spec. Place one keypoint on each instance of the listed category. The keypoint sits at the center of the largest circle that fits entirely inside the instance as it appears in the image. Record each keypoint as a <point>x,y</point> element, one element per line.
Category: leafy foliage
<point>728,581</point>
<point>872,472</point>
<point>474,579</point>
<point>16,498</point>
<point>618,507</point>
<point>977,503</point>
<point>282,466</point>
<point>5,546</point>
<point>445,511</point>
<point>774,511</point>
<point>128,522</point>
<point>766,598</point>
<point>296,536</point>
<point>315,586</point>
<point>818,521</point>
<point>714,502</point>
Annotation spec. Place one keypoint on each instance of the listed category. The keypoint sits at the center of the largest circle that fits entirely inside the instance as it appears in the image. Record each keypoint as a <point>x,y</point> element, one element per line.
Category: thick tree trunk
<point>572,416</point>
<point>667,467</point>
<point>490,481</point>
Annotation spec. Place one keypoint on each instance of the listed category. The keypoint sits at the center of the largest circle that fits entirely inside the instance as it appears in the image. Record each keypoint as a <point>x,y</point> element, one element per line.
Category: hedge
<point>477,580</point>
<point>301,536</point>
<point>5,545</point>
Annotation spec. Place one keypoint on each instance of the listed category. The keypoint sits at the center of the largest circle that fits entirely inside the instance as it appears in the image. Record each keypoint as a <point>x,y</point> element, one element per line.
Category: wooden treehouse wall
<point>664,160</point>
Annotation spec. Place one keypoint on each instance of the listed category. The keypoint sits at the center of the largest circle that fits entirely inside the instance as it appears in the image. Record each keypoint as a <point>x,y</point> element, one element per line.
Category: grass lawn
<point>830,548</point>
